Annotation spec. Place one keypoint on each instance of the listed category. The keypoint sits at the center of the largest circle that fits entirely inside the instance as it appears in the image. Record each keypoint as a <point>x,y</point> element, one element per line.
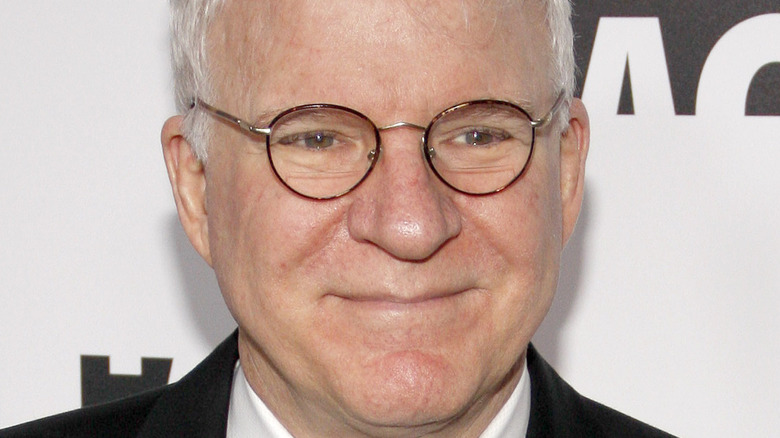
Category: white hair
<point>191,20</point>
<point>562,70</point>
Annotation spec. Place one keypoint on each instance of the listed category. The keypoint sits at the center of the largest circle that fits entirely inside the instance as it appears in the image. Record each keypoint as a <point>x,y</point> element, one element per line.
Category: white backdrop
<point>668,303</point>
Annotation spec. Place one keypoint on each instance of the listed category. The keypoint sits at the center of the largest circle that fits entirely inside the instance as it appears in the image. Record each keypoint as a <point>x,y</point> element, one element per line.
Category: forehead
<point>300,51</point>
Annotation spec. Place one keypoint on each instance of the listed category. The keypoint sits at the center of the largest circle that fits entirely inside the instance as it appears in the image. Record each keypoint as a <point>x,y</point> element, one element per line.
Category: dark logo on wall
<point>690,31</point>
<point>98,385</point>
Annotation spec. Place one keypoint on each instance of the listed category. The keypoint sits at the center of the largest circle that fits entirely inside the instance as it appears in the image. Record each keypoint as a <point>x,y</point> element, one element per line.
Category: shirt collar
<point>512,419</point>
<point>248,416</point>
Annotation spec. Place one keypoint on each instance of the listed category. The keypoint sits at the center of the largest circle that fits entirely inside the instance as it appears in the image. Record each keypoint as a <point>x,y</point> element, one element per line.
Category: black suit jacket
<point>197,406</point>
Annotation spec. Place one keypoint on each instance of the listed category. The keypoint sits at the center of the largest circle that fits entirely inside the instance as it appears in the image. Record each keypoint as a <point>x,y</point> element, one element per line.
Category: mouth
<point>391,322</point>
<point>401,298</point>
<point>393,303</point>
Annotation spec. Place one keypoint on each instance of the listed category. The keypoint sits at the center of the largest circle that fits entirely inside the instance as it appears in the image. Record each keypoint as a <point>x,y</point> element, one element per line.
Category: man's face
<point>403,303</point>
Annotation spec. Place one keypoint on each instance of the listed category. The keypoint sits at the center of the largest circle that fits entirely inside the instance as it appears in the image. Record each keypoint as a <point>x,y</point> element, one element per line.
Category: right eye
<point>316,140</point>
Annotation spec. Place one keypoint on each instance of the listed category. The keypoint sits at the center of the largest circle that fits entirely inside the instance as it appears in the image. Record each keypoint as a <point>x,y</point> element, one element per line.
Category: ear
<point>574,151</point>
<point>188,181</point>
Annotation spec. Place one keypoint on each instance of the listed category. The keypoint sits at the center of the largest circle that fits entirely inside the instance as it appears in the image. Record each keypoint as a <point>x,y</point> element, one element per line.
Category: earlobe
<point>188,182</point>
<point>574,152</point>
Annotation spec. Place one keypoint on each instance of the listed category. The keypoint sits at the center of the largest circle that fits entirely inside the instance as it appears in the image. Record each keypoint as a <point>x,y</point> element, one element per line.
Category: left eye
<point>318,140</point>
<point>481,137</point>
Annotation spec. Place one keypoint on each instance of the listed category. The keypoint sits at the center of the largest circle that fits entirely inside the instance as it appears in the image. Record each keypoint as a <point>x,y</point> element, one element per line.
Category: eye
<point>482,136</point>
<point>316,140</point>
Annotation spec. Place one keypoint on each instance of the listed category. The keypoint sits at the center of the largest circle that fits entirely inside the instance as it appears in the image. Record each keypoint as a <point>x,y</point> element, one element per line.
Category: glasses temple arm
<point>538,123</point>
<point>230,118</point>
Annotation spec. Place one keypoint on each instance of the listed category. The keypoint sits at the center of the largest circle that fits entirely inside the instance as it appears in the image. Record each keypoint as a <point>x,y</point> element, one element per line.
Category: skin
<point>403,308</point>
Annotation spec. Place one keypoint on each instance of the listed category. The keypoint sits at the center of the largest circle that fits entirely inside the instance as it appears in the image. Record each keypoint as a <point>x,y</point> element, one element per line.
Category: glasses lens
<point>480,147</point>
<point>322,152</point>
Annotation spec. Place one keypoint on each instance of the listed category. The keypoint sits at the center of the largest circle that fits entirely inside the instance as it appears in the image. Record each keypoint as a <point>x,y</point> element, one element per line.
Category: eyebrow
<point>525,104</point>
<point>528,105</point>
<point>264,119</point>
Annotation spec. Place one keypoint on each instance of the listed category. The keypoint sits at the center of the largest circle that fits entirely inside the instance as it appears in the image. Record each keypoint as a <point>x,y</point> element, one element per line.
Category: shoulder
<point>600,420</point>
<point>558,410</point>
<point>119,419</point>
<point>195,406</point>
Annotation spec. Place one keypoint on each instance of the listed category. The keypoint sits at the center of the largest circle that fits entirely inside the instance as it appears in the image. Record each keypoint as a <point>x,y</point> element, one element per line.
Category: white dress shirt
<point>249,417</point>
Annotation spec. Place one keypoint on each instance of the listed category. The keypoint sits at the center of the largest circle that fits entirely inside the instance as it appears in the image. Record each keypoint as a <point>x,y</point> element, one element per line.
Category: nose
<point>402,207</point>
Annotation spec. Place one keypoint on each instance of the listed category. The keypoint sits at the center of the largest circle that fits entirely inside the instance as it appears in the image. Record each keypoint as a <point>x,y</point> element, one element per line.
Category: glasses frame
<point>428,152</point>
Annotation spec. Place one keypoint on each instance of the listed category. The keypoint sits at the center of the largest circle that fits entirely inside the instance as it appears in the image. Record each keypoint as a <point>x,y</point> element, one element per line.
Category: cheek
<point>241,226</point>
<point>524,228</point>
<point>540,206</point>
<point>263,237</point>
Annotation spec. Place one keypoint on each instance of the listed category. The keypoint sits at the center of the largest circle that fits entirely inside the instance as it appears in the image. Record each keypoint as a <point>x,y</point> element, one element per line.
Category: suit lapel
<point>197,405</point>
<point>554,404</point>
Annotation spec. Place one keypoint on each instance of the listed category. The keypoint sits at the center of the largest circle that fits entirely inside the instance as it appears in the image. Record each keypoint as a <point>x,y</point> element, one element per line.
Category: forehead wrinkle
<point>491,25</point>
<point>495,24</point>
<point>457,18</point>
<point>237,40</point>
<point>248,34</point>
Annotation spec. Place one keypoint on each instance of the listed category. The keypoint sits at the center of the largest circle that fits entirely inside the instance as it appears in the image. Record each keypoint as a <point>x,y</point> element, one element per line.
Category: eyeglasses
<point>323,151</point>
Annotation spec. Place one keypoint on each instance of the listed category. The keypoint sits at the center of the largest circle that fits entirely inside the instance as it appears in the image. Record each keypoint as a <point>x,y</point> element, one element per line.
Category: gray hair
<point>190,22</point>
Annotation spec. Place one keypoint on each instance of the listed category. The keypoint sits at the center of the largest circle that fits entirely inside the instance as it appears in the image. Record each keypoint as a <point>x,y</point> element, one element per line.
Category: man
<point>383,189</point>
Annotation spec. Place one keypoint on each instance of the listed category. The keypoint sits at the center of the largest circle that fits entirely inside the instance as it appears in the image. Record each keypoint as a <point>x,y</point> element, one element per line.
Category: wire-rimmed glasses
<point>323,151</point>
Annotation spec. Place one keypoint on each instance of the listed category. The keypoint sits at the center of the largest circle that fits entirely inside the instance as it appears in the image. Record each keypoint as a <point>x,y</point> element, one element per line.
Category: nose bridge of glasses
<point>403,124</point>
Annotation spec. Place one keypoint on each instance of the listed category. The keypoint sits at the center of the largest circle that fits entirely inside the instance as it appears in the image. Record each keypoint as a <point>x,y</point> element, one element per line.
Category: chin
<point>410,389</point>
